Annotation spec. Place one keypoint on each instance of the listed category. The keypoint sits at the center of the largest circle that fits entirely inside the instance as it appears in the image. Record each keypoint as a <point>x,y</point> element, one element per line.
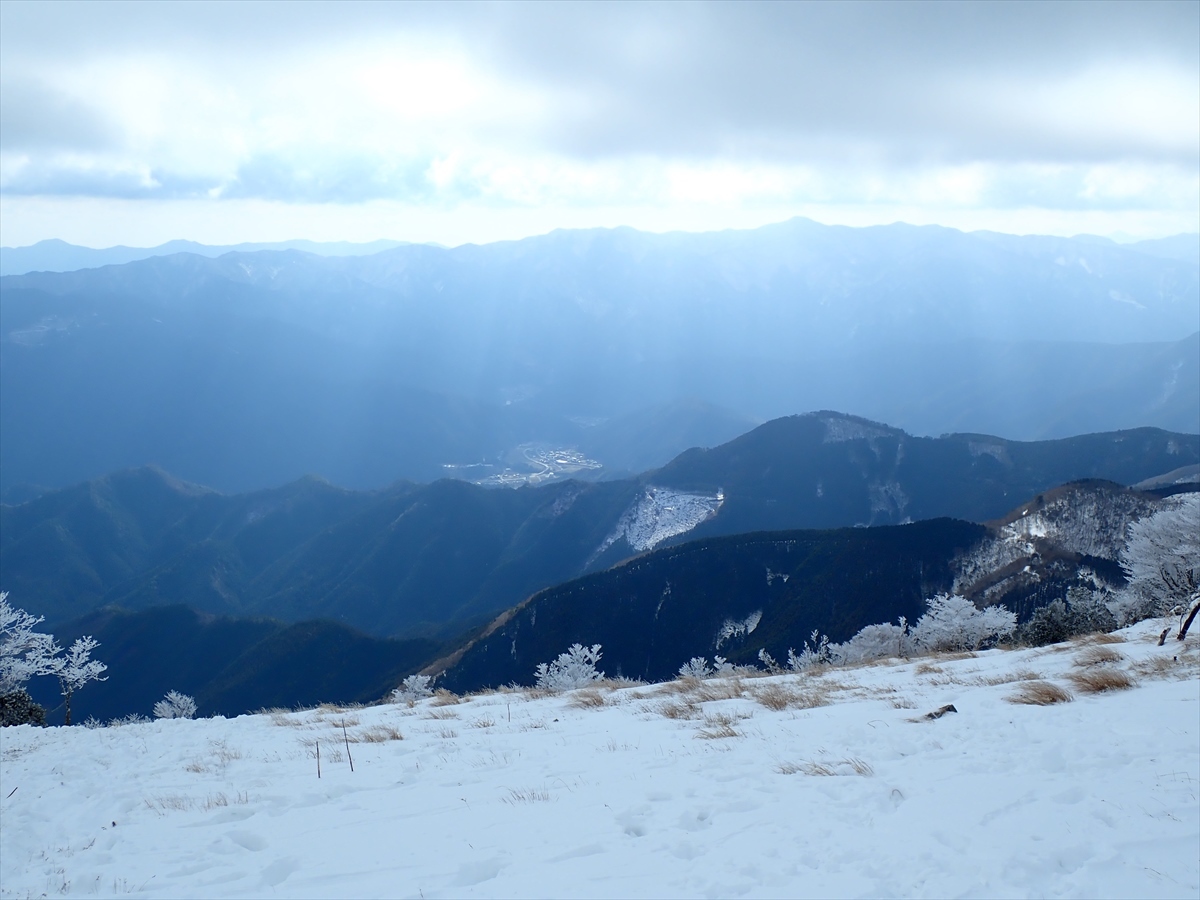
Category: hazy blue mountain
<point>249,369</point>
<point>1179,246</point>
<point>437,559</point>
<point>59,256</point>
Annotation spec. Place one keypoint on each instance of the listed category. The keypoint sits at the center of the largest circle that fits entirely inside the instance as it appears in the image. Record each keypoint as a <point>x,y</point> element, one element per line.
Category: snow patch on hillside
<point>659,514</point>
<point>1088,521</point>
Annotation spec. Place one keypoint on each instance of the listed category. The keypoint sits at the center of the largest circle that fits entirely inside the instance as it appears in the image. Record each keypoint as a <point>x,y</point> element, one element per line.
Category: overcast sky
<point>137,123</point>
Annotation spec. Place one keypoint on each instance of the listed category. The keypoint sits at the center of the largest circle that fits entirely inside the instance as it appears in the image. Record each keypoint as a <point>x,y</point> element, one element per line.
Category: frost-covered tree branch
<point>1162,559</point>
<point>24,652</point>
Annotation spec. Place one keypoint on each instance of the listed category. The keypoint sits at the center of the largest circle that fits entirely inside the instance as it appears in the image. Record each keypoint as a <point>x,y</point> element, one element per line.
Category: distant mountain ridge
<point>436,559</point>
<point>59,256</point>
<point>253,368</point>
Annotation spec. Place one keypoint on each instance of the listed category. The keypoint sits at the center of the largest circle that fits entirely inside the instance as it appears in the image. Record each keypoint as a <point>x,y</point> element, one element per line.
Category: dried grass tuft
<point>1097,656</point>
<point>1040,693</point>
<point>588,698</point>
<point>1098,637</point>
<point>378,734</point>
<point>779,697</point>
<point>1100,679</point>
<point>679,710</point>
<point>443,697</point>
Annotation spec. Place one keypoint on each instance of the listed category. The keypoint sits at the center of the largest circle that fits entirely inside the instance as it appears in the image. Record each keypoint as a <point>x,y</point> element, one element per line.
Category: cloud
<point>1010,105</point>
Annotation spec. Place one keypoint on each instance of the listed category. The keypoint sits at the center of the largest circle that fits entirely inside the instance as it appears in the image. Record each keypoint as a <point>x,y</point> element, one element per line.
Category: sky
<point>138,123</point>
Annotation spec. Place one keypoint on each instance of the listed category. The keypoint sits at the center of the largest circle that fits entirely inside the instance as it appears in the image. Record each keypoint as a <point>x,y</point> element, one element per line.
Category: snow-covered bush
<point>574,669</point>
<point>769,662</point>
<point>874,642</point>
<point>817,652</point>
<point>130,719</point>
<point>698,667</point>
<point>1162,559</point>
<point>952,622</point>
<point>412,689</point>
<point>175,706</point>
<point>1083,612</point>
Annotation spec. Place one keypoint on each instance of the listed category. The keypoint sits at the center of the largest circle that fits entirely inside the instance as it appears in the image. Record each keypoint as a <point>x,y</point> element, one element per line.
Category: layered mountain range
<point>692,544</point>
<point>249,369</point>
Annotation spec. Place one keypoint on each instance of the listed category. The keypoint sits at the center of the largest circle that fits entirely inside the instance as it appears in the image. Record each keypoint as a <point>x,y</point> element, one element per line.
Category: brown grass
<point>779,697</point>
<point>588,698</point>
<point>1100,679</point>
<point>1097,656</point>
<point>1098,637</point>
<point>679,710</point>
<point>719,725</point>
<point>442,714</point>
<point>378,734</point>
<point>1040,693</point>
<point>443,697</point>
<point>928,669</point>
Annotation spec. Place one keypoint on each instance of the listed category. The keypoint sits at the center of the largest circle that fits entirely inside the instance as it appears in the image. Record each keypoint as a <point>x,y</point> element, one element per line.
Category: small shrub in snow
<point>952,622</point>
<point>131,719</point>
<point>18,708</point>
<point>412,689</point>
<point>1083,612</point>
<point>874,642</point>
<point>574,669</point>
<point>817,652</point>
<point>769,662</point>
<point>175,706</point>
<point>698,667</point>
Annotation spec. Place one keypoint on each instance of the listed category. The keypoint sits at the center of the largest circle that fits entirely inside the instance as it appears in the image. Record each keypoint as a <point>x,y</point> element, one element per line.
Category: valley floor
<point>723,788</point>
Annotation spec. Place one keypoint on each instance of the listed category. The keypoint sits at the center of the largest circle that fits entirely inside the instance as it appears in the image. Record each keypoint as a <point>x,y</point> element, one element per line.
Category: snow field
<point>814,785</point>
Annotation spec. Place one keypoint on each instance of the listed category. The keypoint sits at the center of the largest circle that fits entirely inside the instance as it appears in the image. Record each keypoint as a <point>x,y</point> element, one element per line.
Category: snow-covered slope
<point>825,785</point>
<point>661,513</point>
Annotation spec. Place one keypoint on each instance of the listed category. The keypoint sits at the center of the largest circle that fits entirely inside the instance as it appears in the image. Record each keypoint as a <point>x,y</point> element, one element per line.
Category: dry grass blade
<point>1040,693</point>
<point>850,766</point>
<point>1097,656</point>
<point>1100,679</point>
<point>442,697</point>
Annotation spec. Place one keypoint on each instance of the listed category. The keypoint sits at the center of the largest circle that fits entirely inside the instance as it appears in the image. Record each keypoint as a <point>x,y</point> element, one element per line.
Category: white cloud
<point>659,111</point>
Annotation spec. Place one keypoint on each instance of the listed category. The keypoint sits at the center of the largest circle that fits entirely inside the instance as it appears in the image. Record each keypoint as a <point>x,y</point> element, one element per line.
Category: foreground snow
<point>508,795</point>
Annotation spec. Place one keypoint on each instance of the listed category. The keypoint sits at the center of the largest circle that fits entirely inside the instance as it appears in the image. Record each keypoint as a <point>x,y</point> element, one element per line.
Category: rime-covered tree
<point>1162,560</point>
<point>574,669</point>
<point>24,652</point>
<point>76,668</point>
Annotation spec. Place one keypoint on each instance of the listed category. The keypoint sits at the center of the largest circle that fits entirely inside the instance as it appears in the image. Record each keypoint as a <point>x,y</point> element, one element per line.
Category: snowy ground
<point>649,791</point>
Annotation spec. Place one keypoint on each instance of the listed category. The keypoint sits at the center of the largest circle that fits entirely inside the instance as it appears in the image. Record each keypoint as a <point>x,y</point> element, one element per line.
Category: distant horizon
<point>1117,237</point>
